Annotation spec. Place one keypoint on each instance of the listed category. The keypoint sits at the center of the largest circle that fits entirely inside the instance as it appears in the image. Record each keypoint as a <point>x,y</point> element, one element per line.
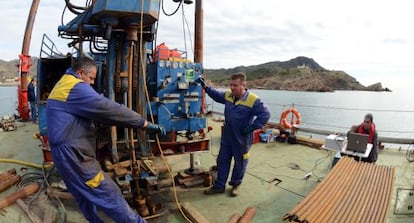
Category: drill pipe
<point>7,174</point>
<point>5,183</point>
<point>352,192</point>
<point>22,193</point>
<point>248,215</point>
<point>135,165</point>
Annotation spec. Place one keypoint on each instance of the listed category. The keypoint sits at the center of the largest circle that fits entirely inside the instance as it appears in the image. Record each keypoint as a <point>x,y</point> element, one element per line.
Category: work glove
<point>202,82</point>
<point>154,128</point>
<point>246,131</point>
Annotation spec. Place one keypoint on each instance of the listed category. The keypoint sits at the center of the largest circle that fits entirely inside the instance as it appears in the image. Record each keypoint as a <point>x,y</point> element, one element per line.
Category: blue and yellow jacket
<point>249,110</point>
<point>72,107</point>
<point>31,96</point>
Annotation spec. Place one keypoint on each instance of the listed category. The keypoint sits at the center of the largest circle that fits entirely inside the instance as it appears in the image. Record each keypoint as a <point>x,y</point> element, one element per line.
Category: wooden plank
<point>314,143</point>
<point>49,216</point>
<point>196,181</point>
<point>193,214</point>
<point>190,178</point>
<point>51,192</point>
<point>32,216</point>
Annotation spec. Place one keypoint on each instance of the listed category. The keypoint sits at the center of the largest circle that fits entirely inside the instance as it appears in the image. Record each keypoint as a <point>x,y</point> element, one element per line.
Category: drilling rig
<point>155,81</point>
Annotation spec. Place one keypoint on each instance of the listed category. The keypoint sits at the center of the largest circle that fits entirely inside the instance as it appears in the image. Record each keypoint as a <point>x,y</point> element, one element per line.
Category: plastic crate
<point>256,136</point>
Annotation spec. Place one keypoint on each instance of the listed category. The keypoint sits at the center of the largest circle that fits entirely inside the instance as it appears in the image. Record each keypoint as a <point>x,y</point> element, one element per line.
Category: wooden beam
<point>193,214</point>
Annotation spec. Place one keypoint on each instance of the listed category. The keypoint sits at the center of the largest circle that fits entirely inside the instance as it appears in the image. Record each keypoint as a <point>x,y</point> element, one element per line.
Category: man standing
<point>31,96</point>
<point>244,112</point>
<point>72,107</point>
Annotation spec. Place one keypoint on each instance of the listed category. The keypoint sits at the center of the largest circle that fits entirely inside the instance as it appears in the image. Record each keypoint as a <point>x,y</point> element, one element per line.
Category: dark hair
<point>369,116</point>
<point>241,76</point>
<point>85,63</point>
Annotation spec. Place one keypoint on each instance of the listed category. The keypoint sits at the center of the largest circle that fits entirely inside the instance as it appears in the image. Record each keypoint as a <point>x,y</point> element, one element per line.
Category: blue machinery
<point>120,38</point>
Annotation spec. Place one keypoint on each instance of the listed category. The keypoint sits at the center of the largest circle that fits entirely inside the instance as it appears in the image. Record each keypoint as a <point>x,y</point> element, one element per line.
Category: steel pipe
<point>352,192</point>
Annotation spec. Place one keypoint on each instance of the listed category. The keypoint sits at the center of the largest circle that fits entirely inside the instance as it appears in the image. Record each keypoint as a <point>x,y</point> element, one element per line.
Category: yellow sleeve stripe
<point>62,88</point>
<point>246,155</point>
<point>96,181</point>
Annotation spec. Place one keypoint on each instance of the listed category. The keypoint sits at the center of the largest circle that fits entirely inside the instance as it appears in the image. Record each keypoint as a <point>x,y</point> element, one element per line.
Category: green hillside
<point>298,74</point>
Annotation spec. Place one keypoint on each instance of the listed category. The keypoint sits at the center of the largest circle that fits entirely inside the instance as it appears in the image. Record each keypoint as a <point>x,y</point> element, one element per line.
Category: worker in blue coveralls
<point>243,113</point>
<point>31,97</point>
<point>72,107</point>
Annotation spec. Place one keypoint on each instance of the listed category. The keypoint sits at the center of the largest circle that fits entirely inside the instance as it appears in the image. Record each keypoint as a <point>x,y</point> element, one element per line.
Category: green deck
<point>267,162</point>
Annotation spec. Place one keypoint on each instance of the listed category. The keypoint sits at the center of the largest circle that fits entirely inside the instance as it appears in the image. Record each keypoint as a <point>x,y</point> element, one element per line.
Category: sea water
<point>337,111</point>
<point>8,100</point>
<point>334,111</point>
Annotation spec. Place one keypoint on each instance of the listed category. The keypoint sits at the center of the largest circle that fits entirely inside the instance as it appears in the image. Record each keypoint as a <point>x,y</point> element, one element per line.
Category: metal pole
<point>111,93</point>
<point>198,33</point>
<point>135,166</point>
<point>141,101</point>
<point>198,43</point>
<point>29,27</point>
<point>24,64</point>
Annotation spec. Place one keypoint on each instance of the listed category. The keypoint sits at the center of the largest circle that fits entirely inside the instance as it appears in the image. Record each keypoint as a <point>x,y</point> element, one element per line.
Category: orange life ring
<point>284,118</point>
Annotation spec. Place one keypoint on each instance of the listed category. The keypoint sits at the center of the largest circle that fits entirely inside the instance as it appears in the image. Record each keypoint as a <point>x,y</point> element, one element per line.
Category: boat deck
<point>274,182</point>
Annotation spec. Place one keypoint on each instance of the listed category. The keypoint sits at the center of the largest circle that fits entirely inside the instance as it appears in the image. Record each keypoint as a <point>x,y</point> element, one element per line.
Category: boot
<point>214,190</point>
<point>235,191</point>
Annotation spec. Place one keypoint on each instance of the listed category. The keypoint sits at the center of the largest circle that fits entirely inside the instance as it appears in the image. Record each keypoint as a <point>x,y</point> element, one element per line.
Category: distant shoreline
<point>9,84</point>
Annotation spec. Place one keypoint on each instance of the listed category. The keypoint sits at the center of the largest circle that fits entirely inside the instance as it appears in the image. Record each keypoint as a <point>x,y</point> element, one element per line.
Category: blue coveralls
<point>239,115</point>
<point>31,96</point>
<point>72,107</point>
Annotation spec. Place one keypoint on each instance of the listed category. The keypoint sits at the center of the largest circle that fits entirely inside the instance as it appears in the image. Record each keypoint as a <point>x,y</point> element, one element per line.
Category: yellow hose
<point>34,165</point>
<point>177,202</point>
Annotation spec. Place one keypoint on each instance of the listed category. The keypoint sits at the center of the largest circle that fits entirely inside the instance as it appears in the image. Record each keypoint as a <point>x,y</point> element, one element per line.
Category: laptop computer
<point>357,142</point>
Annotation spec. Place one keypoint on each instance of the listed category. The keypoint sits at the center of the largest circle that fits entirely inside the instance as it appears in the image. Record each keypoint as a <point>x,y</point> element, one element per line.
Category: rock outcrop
<point>298,74</point>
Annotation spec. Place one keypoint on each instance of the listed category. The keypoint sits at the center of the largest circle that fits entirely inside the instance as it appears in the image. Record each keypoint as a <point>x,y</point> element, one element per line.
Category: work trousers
<point>227,152</point>
<point>75,168</point>
<point>33,111</point>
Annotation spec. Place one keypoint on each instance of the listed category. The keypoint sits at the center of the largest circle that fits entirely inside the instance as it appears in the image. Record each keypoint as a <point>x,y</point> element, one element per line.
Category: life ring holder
<point>295,115</point>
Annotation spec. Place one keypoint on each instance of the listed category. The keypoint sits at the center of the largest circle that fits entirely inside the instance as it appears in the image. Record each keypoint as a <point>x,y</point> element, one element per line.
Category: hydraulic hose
<point>20,162</point>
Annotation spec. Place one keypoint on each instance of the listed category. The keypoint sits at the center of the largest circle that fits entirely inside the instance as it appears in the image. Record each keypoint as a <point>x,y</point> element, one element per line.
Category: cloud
<point>363,38</point>
<point>13,22</point>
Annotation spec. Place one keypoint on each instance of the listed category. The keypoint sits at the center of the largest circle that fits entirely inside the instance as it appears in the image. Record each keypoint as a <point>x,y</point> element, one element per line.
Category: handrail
<point>393,140</point>
<point>51,49</point>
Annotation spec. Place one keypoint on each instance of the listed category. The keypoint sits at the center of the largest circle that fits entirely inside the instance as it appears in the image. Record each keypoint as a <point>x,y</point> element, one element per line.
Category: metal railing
<point>48,48</point>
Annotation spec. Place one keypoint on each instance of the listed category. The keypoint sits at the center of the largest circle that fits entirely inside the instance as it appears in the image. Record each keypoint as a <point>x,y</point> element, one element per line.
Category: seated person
<point>368,127</point>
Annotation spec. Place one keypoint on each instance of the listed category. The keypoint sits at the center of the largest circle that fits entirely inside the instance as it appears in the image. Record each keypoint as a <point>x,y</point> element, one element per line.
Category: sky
<point>370,40</point>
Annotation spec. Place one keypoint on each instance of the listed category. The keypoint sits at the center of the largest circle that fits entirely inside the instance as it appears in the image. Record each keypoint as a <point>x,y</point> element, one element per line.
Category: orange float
<point>295,115</point>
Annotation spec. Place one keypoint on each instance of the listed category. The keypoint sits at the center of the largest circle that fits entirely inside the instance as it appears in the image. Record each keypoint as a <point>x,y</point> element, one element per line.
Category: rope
<point>42,179</point>
<point>183,16</point>
<point>46,176</point>
<point>189,33</point>
<point>344,127</point>
<point>177,202</point>
<point>343,108</point>
<point>354,109</point>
